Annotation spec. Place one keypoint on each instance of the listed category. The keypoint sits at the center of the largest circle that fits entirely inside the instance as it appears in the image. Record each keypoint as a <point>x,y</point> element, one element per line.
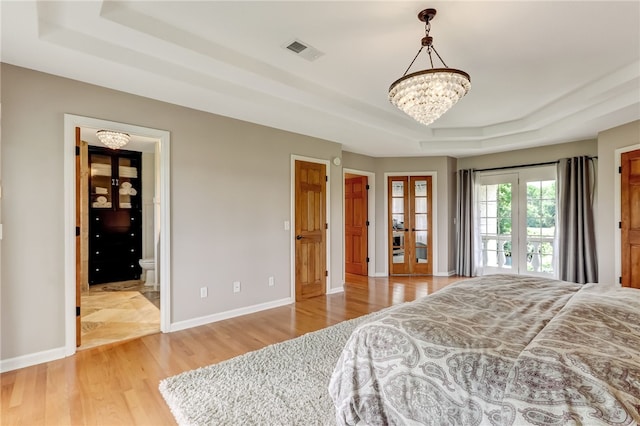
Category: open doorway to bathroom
<point>119,297</point>
<point>121,199</point>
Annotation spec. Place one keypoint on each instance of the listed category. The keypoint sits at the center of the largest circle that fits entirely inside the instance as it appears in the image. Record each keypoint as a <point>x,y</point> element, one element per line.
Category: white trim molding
<point>31,359</point>
<point>208,319</point>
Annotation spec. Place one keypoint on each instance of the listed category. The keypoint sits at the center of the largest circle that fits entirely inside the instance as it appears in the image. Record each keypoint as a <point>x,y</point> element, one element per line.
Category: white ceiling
<point>541,72</point>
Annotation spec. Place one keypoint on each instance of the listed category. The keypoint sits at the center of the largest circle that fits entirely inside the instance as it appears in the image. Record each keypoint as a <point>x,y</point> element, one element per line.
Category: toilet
<point>149,268</point>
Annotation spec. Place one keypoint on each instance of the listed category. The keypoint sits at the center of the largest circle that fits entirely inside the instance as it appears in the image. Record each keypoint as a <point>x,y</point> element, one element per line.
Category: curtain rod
<point>548,163</point>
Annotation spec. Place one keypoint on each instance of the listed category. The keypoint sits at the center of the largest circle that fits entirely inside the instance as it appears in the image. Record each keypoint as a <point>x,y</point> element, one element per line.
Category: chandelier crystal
<point>113,140</point>
<point>426,95</point>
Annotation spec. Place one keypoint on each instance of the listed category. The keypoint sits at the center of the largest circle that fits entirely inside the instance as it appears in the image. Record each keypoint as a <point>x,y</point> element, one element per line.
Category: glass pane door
<point>101,181</point>
<point>398,207</point>
<point>517,214</point>
<point>421,189</point>
<point>410,225</point>
<point>498,215</point>
<point>540,225</point>
<point>127,182</point>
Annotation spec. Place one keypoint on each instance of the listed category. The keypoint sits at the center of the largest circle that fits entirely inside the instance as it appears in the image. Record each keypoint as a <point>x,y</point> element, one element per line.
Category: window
<point>517,218</point>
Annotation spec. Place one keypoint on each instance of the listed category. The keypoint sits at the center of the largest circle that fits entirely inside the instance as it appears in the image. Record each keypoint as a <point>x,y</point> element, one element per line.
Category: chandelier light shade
<point>114,140</point>
<point>426,95</point>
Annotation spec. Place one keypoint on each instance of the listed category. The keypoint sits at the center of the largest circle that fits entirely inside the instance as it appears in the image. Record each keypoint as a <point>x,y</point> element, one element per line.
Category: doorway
<point>118,299</point>
<point>159,141</point>
<point>410,230</point>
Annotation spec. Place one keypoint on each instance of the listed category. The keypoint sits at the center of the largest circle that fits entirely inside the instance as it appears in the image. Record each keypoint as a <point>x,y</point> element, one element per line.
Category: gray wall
<point>223,174</point>
<point>607,223</point>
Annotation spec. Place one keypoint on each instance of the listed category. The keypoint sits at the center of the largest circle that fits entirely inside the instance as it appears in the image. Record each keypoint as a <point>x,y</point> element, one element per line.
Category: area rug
<point>281,384</point>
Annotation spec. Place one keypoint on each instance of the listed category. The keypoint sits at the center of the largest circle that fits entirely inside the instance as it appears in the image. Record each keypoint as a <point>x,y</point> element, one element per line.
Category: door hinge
<point>77,231</point>
<point>326,226</point>
<point>77,311</point>
<point>326,178</point>
<point>620,225</point>
<point>367,260</point>
<point>77,150</point>
<point>620,169</point>
<point>326,273</point>
<point>619,280</point>
<point>367,223</point>
<point>367,187</point>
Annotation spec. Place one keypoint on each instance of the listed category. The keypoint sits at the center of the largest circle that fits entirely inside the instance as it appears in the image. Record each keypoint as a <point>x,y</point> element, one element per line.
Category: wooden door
<point>410,239</point>
<point>78,242</point>
<point>310,227</point>
<point>630,216</point>
<point>355,224</point>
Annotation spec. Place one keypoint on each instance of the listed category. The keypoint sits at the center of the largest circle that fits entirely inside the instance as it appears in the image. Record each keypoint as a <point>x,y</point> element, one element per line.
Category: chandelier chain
<point>439,57</point>
<point>414,59</point>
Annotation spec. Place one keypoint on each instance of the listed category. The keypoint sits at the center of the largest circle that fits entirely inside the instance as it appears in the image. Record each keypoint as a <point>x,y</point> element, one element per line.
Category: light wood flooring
<point>109,314</point>
<point>117,384</point>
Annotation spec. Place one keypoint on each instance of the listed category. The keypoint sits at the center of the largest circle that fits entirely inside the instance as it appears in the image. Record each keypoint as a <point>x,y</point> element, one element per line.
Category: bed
<point>496,350</point>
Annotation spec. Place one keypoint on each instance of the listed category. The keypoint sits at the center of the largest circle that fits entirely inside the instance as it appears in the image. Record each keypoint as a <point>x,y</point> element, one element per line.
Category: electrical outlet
<point>272,281</point>
<point>236,286</point>
<point>203,292</point>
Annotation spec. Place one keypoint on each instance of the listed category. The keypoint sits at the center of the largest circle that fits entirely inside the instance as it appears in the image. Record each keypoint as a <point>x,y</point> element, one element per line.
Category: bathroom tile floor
<point>109,315</point>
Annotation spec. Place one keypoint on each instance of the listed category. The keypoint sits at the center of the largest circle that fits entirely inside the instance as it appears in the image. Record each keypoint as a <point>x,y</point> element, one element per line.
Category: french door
<point>410,239</point>
<point>517,219</point>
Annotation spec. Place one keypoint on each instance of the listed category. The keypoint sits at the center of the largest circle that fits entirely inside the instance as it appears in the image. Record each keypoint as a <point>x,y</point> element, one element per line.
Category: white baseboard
<point>208,319</point>
<point>444,274</point>
<point>380,275</point>
<point>31,359</point>
<point>336,290</point>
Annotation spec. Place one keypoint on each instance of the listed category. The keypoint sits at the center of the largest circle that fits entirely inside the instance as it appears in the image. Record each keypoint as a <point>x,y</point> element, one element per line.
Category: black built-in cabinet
<point>115,215</point>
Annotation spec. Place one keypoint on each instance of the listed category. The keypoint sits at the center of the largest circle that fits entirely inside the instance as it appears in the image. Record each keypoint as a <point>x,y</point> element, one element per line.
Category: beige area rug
<point>111,316</point>
<point>281,384</point>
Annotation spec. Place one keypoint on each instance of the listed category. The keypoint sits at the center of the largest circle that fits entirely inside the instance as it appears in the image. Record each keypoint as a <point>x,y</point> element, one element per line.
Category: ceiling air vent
<point>296,47</point>
<point>304,50</point>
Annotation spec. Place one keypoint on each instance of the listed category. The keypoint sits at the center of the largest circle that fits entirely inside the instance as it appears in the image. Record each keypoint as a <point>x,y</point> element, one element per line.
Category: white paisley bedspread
<point>496,350</point>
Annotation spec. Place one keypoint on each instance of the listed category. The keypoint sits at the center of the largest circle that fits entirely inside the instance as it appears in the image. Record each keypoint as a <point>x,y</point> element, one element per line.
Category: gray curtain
<point>577,257</point>
<point>466,246</point>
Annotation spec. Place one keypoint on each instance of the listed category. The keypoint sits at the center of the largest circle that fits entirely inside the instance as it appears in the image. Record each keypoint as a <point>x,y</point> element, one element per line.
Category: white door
<point>517,215</point>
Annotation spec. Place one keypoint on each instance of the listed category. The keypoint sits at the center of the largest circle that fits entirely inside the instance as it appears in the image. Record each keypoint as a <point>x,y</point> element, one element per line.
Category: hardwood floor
<point>117,384</point>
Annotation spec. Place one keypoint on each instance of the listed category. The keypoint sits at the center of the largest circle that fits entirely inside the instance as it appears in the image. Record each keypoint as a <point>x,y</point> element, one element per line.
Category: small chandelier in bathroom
<point>426,95</point>
<point>114,140</point>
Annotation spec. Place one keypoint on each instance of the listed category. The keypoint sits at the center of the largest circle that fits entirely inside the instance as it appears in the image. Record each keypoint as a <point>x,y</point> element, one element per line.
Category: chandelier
<point>113,140</point>
<point>426,95</point>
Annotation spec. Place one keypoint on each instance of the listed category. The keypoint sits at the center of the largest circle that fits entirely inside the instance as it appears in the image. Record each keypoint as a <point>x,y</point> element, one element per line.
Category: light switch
<point>287,225</point>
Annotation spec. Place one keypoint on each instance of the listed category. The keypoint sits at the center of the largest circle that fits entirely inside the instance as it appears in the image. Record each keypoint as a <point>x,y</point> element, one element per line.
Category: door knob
<point>298,237</point>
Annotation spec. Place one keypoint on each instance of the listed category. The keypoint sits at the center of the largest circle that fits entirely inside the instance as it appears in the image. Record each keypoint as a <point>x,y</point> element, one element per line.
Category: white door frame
<point>371,217</point>
<point>162,180</point>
